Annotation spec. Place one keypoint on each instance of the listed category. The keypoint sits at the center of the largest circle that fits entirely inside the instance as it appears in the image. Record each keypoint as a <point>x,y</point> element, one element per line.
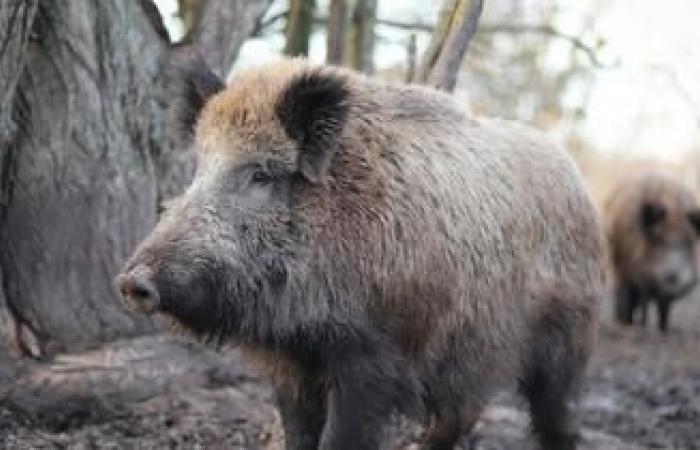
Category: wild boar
<point>652,223</point>
<point>380,252</point>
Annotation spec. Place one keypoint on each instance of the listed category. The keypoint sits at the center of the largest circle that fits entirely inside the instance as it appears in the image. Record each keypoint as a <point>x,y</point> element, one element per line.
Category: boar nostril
<point>138,291</point>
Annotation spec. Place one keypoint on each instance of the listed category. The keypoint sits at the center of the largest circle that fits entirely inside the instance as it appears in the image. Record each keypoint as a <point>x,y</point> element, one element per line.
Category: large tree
<point>86,154</point>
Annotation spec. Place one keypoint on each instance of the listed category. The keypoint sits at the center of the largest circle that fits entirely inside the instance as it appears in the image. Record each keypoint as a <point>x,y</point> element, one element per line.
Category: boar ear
<point>313,110</point>
<point>193,84</point>
<point>652,214</point>
<point>694,218</point>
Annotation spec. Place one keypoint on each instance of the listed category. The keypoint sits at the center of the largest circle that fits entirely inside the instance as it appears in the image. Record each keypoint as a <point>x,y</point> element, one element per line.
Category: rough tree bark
<point>16,17</point>
<point>299,21</point>
<point>364,16</point>
<point>443,58</point>
<point>335,31</point>
<point>213,30</point>
<point>82,175</point>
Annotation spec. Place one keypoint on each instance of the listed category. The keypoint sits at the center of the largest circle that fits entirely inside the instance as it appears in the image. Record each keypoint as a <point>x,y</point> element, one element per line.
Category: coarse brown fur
<point>652,222</point>
<point>400,256</point>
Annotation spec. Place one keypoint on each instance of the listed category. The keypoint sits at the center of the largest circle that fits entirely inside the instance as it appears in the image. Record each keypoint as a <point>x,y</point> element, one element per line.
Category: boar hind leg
<point>553,375</point>
<point>302,406</point>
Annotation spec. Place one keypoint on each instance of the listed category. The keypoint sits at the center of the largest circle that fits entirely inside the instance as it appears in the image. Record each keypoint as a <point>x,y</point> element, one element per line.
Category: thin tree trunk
<point>456,27</point>
<point>411,55</point>
<point>91,156</point>
<point>299,22</point>
<point>364,16</point>
<point>336,31</point>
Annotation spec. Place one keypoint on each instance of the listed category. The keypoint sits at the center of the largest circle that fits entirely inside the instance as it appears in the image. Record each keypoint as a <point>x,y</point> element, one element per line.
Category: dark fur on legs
<point>343,391</point>
<point>553,375</point>
<point>448,427</point>
<point>368,383</point>
<point>303,411</point>
<point>664,309</point>
<point>548,395</point>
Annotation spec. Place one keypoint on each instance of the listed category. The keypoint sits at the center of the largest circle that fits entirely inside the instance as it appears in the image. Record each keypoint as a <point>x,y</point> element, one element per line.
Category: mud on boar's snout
<point>138,291</point>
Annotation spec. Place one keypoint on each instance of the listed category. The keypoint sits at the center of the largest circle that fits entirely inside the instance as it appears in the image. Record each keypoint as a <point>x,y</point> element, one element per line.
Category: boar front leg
<point>365,389</point>
<point>356,418</point>
<point>302,406</point>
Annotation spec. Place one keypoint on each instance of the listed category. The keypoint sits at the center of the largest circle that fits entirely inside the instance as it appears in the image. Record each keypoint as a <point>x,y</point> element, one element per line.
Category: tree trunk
<point>335,32</point>
<point>90,159</point>
<point>299,21</point>
<point>411,54</point>
<point>223,26</point>
<point>364,16</point>
<point>16,17</point>
<point>443,58</point>
<point>188,11</point>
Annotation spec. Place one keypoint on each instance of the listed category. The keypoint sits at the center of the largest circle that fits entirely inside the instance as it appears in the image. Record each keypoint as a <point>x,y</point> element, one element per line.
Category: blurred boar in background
<point>652,223</point>
<point>378,251</point>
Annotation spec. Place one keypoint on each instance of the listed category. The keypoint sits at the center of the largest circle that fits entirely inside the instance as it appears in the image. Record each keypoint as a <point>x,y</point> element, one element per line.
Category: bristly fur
<point>313,110</point>
<point>440,256</point>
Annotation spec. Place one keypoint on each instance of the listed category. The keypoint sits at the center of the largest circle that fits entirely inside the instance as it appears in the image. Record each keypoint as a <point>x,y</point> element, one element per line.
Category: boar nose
<point>138,291</point>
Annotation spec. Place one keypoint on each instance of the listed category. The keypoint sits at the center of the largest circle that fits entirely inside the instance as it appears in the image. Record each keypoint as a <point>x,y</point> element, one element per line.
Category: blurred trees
<point>86,154</point>
<point>353,47</point>
<point>522,67</point>
<point>364,15</point>
<point>336,31</point>
<point>299,22</point>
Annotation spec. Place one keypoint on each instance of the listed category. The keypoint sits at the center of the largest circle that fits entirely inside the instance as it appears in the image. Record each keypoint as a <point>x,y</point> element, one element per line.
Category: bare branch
<point>685,94</point>
<point>546,30</point>
<point>438,40</point>
<point>407,26</point>
<point>440,69</point>
<point>263,25</point>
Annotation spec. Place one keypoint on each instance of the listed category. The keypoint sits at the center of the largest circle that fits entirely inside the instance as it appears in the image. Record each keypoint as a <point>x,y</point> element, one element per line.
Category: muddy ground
<point>643,392</point>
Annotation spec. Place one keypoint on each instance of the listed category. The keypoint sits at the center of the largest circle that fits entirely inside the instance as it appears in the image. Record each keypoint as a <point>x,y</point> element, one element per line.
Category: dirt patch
<point>643,392</point>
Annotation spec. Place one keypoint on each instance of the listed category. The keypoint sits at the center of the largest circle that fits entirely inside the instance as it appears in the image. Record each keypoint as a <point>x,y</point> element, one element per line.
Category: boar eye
<point>260,177</point>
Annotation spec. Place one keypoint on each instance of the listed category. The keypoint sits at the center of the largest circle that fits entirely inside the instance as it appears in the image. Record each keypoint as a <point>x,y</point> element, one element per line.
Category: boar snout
<point>138,291</point>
